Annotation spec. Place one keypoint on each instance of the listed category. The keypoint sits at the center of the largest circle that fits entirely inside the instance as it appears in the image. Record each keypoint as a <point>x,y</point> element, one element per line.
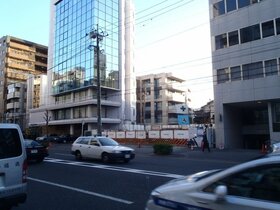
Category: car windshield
<point>31,143</point>
<point>107,142</point>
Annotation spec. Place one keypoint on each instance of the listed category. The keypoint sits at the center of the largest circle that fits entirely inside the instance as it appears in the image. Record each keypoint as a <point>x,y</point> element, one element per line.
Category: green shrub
<point>163,149</point>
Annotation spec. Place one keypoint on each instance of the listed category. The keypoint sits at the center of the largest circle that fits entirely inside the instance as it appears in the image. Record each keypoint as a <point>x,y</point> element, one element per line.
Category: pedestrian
<point>205,143</point>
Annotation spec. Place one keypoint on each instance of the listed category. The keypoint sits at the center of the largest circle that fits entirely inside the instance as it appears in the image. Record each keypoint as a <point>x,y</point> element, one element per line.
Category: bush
<point>163,149</point>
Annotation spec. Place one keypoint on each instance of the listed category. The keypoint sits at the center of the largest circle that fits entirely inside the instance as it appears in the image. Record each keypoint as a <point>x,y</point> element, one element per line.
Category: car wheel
<point>78,155</point>
<point>105,158</point>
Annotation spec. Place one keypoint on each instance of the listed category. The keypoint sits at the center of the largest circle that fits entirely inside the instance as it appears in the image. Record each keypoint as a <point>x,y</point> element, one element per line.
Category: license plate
<point>33,151</point>
<point>127,156</point>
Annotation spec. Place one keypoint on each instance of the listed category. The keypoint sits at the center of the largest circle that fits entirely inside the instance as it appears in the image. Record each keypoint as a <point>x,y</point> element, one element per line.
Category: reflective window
<point>231,5</point>
<point>10,144</point>
<point>261,183</point>
<point>219,8</point>
<point>278,25</point>
<point>250,33</point>
<point>221,41</point>
<point>252,70</point>
<point>243,3</point>
<point>233,38</point>
<point>235,73</point>
<point>75,54</point>
<point>268,29</point>
<point>271,67</point>
<point>222,75</point>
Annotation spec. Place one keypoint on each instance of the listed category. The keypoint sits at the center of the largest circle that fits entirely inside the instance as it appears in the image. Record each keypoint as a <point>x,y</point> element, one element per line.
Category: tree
<point>47,118</point>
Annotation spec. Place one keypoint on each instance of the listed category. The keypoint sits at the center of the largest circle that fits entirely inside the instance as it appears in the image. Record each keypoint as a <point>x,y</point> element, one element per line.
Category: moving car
<point>35,150</point>
<point>13,166</point>
<point>252,185</point>
<point>101,147</point>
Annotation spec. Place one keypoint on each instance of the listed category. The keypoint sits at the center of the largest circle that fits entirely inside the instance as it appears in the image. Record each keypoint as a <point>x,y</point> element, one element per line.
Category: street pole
<point>94,34</point>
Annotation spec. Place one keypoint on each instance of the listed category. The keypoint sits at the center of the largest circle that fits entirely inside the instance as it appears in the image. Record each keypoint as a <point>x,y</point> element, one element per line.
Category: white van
<point>13,166</point>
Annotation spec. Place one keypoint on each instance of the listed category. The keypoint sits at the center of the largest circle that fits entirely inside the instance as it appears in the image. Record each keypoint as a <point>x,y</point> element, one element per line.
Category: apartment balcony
<point>176,97</point>
<point>21,46</point>
<point>13,95</point>
<point>13,105</point>
<point>20,66</point>
<point>20,55</point>
<point>41,55</point>
<point>70,104</point>
<point>38,63</point>
<point>16,76</point>
<point>175,86</point>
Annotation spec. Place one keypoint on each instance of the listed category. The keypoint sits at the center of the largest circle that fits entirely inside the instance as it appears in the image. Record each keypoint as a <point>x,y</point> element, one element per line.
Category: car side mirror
<point>220,192</point>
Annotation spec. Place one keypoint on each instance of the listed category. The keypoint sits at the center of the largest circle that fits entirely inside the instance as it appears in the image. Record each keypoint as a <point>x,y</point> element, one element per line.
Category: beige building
<point>18,60</point>
<point>160,99</point>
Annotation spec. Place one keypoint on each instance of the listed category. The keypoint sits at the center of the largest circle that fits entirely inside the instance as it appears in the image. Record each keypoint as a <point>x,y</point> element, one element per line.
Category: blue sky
<point>171,36</point>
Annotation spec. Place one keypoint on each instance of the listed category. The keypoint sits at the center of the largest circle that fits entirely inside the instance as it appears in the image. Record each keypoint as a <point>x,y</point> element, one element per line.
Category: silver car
<point>249,186</point>
<point>101,147</point>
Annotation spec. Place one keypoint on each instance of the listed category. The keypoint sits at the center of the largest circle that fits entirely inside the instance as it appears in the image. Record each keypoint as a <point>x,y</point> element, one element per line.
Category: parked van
<point>13,166</point>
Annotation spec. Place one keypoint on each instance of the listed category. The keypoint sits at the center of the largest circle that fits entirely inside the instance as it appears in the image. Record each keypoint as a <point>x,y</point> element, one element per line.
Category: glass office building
<point>74,64</point>
<point>71,100</point>
<point>75,60</point>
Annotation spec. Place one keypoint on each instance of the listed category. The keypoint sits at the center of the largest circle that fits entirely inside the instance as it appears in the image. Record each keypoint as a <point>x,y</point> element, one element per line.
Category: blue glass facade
<point>74,64</point>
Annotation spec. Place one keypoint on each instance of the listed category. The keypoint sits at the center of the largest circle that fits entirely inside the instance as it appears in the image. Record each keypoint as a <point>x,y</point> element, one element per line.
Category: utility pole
<point>95,34</point>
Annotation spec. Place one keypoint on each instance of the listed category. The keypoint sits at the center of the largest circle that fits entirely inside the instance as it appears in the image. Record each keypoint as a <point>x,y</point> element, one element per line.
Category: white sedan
<point>253,185</point>
<point>101,147</point>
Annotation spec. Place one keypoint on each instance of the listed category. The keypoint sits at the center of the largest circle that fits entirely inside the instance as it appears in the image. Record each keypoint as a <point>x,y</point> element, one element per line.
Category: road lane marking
<point>82,191</point>
<point>113,168</point>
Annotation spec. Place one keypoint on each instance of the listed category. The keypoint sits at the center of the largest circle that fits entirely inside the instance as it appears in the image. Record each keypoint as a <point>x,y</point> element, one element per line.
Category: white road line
<point>63,154</point>
<point>113,168</point>
<point>82,191</point>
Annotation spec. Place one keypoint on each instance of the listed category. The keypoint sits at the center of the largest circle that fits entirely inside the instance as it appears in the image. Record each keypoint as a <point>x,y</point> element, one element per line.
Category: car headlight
<point>116,151</point>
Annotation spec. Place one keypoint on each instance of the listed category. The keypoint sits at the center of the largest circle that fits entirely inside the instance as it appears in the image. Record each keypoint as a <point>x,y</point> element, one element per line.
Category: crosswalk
<point>112,168</point>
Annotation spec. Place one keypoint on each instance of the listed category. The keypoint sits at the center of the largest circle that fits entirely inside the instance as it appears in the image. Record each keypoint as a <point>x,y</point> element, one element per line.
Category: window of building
<point>219,8</point>
<point>222,75</point>
<point>221,41</point>
<point>271,67</point>
<point>252,70</point>
<point>235,73</point>
<point>231,5</point>
<point>276,116</point>
<point>250,33</point>
<point>233,38</point>
<point>243,3</point>
<point>268,29</point>
<point>278,25</point>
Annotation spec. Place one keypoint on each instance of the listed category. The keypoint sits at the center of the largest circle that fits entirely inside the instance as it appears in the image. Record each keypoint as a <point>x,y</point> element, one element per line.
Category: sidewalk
<point>236,155</point>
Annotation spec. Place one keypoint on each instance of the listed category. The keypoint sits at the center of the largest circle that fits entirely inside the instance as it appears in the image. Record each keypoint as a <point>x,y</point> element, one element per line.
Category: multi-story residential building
<point>18,59</point>
<point>72,100</point>
<point>160,99</point>
<point>204,115</point>
<point>246,56</point>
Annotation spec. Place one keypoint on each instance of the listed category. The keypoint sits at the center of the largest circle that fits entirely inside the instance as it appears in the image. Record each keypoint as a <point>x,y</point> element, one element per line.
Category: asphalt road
<point>62,183</point>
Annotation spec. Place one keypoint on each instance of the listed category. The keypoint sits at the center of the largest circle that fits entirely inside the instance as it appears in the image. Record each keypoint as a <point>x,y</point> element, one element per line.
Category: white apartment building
<point>72,95</point>
<point>246,55</point>
<point>160,99</point>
